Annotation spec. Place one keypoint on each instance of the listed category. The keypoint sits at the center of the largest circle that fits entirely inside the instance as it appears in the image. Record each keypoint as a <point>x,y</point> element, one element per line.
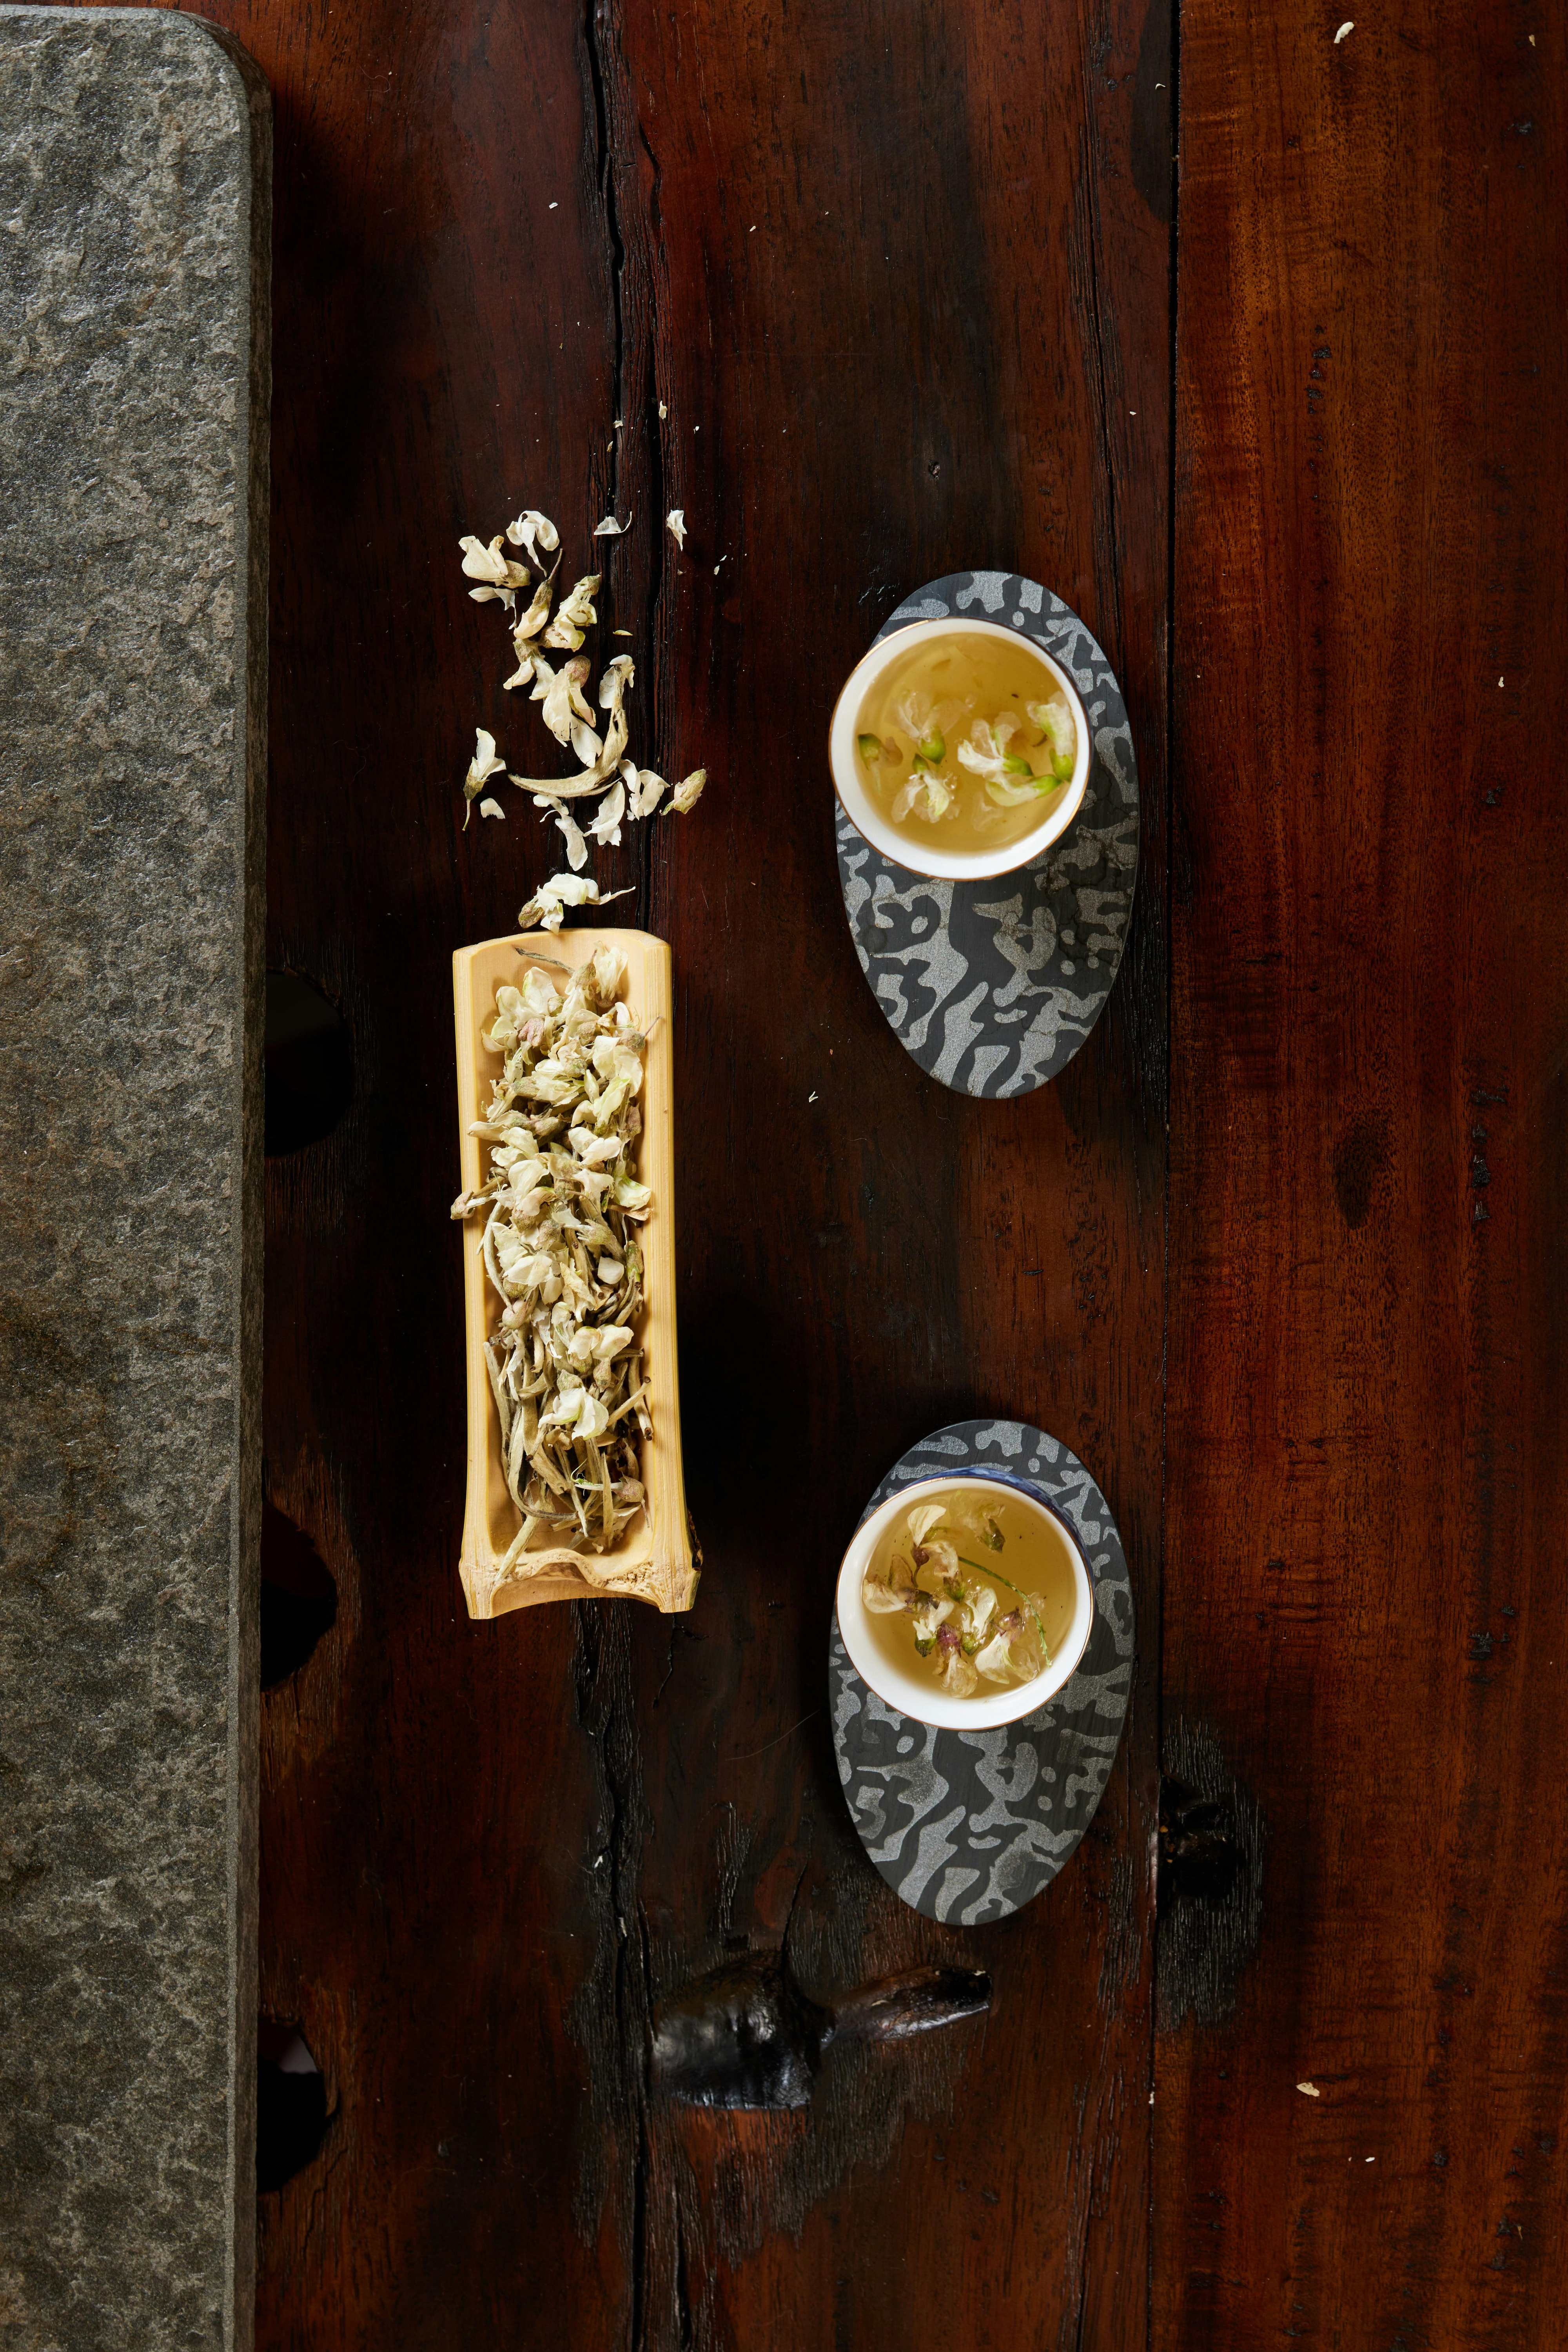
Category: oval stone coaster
<point>993,986</point>
<point>968,1826</point>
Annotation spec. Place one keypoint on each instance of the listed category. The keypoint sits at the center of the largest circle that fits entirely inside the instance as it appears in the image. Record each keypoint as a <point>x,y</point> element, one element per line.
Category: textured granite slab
<point>134,235</point>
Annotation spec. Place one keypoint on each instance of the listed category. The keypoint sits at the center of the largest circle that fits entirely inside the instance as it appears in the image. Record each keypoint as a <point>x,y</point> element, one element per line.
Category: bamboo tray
<point>654,1559</point>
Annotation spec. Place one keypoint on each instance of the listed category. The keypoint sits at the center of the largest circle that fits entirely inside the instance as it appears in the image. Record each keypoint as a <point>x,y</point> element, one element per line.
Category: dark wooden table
<point>878,292</point>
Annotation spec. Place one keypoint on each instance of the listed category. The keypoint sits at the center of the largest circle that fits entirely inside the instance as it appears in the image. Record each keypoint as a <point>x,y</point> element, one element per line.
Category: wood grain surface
<point>899,279</point>
<point>876,293</point>
<point>1365,1613</point>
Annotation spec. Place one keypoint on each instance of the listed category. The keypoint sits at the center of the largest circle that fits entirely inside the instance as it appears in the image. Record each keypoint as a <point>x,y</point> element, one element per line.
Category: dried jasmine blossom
<point>498,577</point>
<point>482,767</point>
<point>545,629</point>
<point>561,1205</point>
<point>571,832</point>
<point>958,1619</point>
<point>573,615</point>
<point>544,910</point>
<point>534,531</point>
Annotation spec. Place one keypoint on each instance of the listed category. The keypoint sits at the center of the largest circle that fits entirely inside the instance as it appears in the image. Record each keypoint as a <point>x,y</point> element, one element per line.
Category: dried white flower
<point>526,629</point>
<point>534,531</point>
<point>585,742</point>
<point>662,410</point>
<point>482,767</point>
<point>618,678</point>
<point>500,578</point>
<point>606,824</point>
<point>542,911</point>
<point>574,614</point>
<point>1348,27</point>
<point>561,692</point>
<point>493,808</point>
<point>599,744</point>
<point>576,847</point>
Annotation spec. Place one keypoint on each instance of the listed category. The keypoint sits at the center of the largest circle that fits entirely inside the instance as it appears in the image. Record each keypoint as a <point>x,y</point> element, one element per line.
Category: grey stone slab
<point>134,238</point>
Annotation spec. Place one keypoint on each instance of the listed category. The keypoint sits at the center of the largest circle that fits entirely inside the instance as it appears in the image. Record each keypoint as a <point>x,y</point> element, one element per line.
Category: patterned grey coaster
<point>993,986</point>
<point>968,1826</point>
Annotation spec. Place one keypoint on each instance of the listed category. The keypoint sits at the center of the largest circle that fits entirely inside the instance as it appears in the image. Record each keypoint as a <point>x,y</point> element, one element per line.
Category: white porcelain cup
<point>913,1693</point>
<point>863,811</point>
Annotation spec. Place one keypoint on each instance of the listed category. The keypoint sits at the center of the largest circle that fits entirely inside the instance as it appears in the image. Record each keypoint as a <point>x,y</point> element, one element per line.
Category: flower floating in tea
<point>1003,750</point>
<point>958,733</point>
<point>561,1205</point>
<point>966,1616</point>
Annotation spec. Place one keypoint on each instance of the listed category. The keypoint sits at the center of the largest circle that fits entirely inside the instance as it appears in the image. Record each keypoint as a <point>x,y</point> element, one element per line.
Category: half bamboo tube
<point>654,1559</point>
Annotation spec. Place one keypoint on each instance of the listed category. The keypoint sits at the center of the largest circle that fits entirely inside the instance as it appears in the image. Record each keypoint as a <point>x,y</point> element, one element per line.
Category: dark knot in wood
<point>746,2035</point>
<point>1199,1855</point>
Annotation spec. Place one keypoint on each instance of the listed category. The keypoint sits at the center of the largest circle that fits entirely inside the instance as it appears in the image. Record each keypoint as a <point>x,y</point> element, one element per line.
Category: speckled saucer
<point>968,1826</point>
<point>993,986</point>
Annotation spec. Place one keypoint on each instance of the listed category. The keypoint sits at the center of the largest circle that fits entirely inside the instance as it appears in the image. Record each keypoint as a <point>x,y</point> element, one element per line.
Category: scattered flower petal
<point>542,911</point>
<point>606,824</point>
<point>499,576</point>
<point>493,808</point>
<point>616,680</point>
<point>574,614</point>
<point>609,528</point>
<point>1348,27</point>
<point>675,522</point>
<point>534,531</point>
<point>481,768</point>
<point>576,847</point>
<point>561,692</point>
<point>687,795</point>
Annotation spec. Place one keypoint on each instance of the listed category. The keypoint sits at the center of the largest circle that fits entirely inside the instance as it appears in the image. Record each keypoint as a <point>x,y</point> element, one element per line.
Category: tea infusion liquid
<point>978,1588</point>
<point>965,741</point>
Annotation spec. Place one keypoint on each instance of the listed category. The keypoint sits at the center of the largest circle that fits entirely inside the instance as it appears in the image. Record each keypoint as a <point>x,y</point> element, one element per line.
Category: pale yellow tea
<point>978,1589</point>
<point>966,743</point>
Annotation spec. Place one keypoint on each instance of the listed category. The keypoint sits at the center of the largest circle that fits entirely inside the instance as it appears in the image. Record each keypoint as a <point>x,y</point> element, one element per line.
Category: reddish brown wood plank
<point>900,280</point>
<point>873,362</point>
<point>1366,1453</point>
